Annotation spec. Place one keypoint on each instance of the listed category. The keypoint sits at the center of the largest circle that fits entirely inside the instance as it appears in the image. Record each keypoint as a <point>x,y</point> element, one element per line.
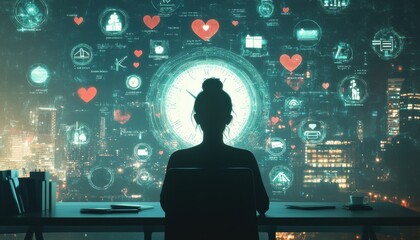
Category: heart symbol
<point>205,30</point>
<point>138,53</point>
<point>292,146</point>
<point>78,20</point>
<point>160,152</point>
<point>275,120</point>
<point>325,85</point>
<point>286,9</point>
<point>290,63</point>
<point>295,83</point>
<point>235,23</point>
<point>87,94</point>
<point>120,117</point>
<point>312,126</point>
<point>151,22</point>
<point>157,115</point>
<point>136,64</point>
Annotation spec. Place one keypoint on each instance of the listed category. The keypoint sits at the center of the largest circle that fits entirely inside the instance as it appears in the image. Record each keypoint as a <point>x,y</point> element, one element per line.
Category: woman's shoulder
<point>240,152</point>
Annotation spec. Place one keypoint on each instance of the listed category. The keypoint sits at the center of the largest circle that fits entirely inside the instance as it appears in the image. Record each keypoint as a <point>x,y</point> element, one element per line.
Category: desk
<point>67,218</point>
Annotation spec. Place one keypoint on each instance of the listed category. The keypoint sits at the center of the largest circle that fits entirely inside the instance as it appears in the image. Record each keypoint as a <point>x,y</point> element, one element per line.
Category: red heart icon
<point>325,85</point>
<point>292,146</point>
<point>87,94</point>
<point>151,22</point>
<point>275,120</point>
<point>295,83</point>
<point>78,20</point>
<point>157,115</point>
<point>290,63</point>
<point>235,23</point>
<point>120,117</point>
<point>205,30</point>
<point>136,64</point>
<point>286,9</point>
<point>160,152</point>
<point>138,53</point>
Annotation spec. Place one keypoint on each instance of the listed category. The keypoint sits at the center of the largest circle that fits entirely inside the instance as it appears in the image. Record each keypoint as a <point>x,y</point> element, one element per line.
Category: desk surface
<point>67,214</point>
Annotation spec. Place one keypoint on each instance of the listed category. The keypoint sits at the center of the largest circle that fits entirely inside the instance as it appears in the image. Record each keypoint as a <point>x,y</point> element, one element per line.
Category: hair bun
<point>212,85</point>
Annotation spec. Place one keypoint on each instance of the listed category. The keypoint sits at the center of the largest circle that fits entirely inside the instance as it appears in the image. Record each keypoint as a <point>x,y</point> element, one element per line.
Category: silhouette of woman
<point>213,108</point>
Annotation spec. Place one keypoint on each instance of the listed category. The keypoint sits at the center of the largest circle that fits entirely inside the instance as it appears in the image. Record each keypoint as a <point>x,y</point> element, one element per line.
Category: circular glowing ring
<point>208,55</point>
<point>79,48</point>
<point>148,152</point>
<point>31,25</point>
<point>274,151</point>
<point>106,186</point>
<point>298,27</point>
<point>312,135</point>
<point>397,44</point>
<point>341,90</point>
<point>281,178</point>
<point>41,77</point>
<point>266,8</point>
<point>133,85</point>
<point>103,21</point>
<point>143,178</point>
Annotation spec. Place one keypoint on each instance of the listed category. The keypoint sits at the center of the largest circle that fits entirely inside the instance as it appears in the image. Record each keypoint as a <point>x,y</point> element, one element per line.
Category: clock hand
<point>191,94</point>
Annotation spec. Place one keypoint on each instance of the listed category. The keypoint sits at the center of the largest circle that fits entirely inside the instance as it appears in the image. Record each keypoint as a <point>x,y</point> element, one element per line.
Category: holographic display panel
<point>100,93</point>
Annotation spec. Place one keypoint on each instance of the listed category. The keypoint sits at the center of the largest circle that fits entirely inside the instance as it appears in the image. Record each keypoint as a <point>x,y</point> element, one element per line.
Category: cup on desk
<point>359,199</point>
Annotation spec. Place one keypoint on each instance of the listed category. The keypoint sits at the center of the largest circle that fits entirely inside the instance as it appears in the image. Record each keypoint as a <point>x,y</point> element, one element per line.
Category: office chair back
<point>210,204</point>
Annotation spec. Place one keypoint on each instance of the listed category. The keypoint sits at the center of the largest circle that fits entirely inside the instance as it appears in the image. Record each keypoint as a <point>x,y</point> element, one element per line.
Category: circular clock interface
<point>178,82</point>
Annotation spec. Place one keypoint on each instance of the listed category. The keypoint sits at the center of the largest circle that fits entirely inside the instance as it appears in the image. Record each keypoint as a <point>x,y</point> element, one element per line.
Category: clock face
<point>178,82</point>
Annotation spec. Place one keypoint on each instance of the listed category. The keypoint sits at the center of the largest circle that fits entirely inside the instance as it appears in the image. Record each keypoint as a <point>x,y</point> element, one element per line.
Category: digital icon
<point>166,6</point>
<point>159,49</point>
<point>119,63</point>
<point>133,82</point>
<point>136,64</point>
<point>143,178</point>
<point>281,178</point>
<point>253,41</point>
<point>87,94</point>
<point>266,8</point>
<point>121,116</point>
<point>312,131</point>
<point>100,178</point>
<point>205,30</point>
<point>138,53</point>
<point>308,33</point>
<point>142,152</point>
<point>81,54</point>
<point>38,75</point>
<point>290,63</point>
<point>342,53</point>
<point>78,20</point>
<point>334,6</point>
<point>353,90</point>
<point>276,146</point>
<point>151,22</point>
<point>113,22</point>
<point>235,23</point>
<point>387,44</point>
<point>292,104</point>
<point>78,134</point>
<point>30,14</point>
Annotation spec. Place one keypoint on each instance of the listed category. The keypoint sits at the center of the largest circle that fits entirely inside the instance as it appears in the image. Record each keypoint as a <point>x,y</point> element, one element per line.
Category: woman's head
<point>213,106</point>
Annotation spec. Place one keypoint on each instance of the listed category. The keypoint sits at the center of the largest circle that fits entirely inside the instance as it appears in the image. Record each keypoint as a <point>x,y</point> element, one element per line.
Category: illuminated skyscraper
<point>329,162</point>
<point>393,107</point>
<point>410,108</point>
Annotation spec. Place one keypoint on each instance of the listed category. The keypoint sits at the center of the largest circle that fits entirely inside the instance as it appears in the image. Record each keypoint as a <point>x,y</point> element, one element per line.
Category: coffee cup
<point>358,200</point>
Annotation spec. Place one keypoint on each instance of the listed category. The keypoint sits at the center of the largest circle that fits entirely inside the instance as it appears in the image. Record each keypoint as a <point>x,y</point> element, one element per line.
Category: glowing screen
<point>100,93</point>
